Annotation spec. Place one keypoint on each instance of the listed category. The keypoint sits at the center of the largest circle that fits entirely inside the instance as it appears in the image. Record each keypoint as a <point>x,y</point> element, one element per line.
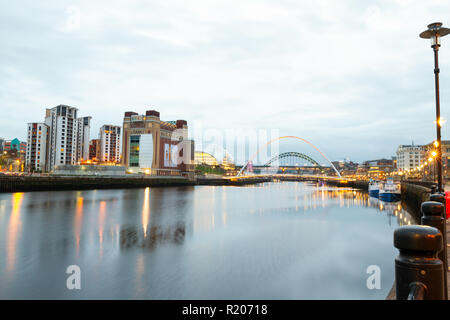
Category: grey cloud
<point>352,77</point>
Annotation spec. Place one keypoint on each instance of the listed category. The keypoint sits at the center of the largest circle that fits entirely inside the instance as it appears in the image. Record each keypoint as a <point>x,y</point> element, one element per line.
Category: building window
<point>134,151</point>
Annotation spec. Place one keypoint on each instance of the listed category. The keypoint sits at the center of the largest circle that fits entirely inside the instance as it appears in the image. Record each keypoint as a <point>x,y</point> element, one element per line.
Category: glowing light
<point>146,210</point>
<point>101,223</point>
<point>440,121</point>
<point>78,221</point>
<point>13,230</point>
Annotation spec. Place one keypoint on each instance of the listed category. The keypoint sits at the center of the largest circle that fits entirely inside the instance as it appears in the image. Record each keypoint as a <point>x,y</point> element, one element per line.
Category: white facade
<point>146,151</point>
<point>410,156</point>
<point>83,134</point>
<point>63,129</point>
<point>110,143</point>
<point>36,154</point>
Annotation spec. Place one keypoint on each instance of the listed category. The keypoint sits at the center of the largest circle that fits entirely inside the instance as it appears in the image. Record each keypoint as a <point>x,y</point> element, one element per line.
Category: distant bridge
<point>286,156</point>
<point>295,163</point>
<point>292,159</point>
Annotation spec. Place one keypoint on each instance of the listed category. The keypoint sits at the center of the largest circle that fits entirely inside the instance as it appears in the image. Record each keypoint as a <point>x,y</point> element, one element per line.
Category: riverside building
<point>83,133</point>
<point>409,156</point>
<point>151,144</point>
<point>66,139</point>
<point>94,150</point>
<point>430,154</point>
<point>62,144</point>
<point>109,143</point>
<point>36,152</point>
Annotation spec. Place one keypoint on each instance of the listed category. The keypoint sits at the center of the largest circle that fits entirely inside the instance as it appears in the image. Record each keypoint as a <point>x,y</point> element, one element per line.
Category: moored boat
<point>374,188</point>
<point>390,191</point>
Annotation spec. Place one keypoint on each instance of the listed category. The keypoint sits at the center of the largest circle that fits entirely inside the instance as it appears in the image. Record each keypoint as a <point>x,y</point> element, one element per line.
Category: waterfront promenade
<point>391,295</point>
<point>448,257</point>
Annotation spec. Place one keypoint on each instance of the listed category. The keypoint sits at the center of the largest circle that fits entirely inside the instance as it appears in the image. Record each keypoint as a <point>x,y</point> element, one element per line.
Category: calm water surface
<point>271,241</point>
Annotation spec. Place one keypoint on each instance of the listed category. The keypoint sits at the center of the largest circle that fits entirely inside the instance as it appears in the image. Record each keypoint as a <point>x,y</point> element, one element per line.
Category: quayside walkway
<point>448,257</point>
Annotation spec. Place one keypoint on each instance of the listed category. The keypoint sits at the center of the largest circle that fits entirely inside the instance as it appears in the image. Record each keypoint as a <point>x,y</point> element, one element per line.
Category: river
<point>285,240</point>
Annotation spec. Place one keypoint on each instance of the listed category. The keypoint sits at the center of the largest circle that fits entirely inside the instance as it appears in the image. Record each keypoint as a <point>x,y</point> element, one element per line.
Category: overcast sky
<point>352,77</point>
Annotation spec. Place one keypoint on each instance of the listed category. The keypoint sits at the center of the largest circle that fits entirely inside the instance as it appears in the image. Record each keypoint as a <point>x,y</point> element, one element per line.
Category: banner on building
<point>170,155</point>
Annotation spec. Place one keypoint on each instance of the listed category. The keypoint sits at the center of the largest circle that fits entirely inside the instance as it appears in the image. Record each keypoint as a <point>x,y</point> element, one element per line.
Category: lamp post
<point>435,32</point>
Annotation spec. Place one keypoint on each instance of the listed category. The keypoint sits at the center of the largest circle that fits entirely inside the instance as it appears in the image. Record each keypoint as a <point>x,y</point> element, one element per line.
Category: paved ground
<point>448,256</point>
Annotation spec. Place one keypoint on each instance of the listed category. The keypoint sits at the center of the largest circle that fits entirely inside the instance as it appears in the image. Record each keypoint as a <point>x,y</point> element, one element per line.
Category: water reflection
<point>133,236</point>
<point>267,241</point>
<point>322,196</point>
<point>13,230</point>
<point>146,210</point>
<point>101,224</point>
<point>78,221</point>
<point>354,197</point>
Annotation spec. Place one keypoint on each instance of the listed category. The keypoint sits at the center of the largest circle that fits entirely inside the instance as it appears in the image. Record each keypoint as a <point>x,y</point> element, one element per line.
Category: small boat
<point>374,188</point>
<point>390,191</point>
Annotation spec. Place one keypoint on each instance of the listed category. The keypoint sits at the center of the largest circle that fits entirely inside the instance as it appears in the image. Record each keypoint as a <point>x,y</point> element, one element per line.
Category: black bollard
<point>433,188</point>
<point>433,214</point>
<point>418,271</point>
<point>438,197</point>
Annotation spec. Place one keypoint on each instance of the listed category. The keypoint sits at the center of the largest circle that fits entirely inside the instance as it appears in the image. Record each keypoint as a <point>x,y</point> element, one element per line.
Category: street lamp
<point>435,32</point>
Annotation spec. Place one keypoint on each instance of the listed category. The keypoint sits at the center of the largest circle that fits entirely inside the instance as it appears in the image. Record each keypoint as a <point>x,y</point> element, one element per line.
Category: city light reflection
<point>146,210</point>
<point>78,221</point>
<point>101,224</point>
<point>13,231</point>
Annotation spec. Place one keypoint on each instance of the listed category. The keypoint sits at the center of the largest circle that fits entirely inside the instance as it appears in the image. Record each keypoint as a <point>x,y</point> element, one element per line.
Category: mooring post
<point>419,273</point>
<point>433,188</point>
<point>433,214</point>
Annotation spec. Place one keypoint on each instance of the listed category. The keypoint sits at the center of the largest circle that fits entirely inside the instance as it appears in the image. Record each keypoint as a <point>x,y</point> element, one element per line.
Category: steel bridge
<point>288,155</point>
<point>291,163</point>
<point>292,159</point>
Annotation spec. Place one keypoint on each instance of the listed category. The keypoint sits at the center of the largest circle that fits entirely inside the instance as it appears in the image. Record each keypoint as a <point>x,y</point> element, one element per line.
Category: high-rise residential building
<point>109,137</point>
<point>410,156</point>
<point>62,141</point>
<point>94,150</point>
<point>2,142</point>
<point>36,150</point>
<point>149,143</point>
<point>66,139</point>
<point>83,132</point>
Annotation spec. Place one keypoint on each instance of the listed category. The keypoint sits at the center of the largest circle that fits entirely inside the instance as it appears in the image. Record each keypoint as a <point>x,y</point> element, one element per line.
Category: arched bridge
<point>287,155</point>
<point>291,158</point>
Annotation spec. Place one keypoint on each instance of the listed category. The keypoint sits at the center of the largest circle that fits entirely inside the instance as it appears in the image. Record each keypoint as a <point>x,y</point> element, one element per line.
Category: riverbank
<point>52,183</point>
